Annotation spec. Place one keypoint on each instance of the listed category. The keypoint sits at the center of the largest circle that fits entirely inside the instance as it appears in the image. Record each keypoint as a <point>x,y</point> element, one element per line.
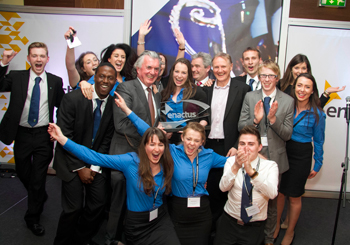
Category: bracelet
<point>182,49</point>
<point>326,93</point>
<point>140,43</point>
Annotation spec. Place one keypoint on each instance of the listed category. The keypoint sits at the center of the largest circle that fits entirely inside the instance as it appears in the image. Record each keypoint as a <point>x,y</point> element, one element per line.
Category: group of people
<point>224,185</point>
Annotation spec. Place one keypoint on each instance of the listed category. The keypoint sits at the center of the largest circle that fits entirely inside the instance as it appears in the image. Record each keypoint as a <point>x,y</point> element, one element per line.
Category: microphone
<point>347,113</point>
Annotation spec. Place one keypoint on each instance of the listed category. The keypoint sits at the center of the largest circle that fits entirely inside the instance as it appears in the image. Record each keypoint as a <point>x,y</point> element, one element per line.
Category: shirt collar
<point>95,96</point>
<point>272,96</point>
<point>33,75</point>
<point>204,80</point>
<point>144,87</point>
<point>226,86</point>
<point>256,78</point>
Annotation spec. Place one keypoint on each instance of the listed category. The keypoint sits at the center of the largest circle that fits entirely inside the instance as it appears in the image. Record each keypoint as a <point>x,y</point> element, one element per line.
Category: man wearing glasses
<point>271,112</point>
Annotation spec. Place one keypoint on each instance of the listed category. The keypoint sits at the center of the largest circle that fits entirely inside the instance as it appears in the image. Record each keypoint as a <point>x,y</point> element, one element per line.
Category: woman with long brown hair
<point>148,177</point>
<point>189,206</point>
<point>309,127</point>
<point>180,88</point>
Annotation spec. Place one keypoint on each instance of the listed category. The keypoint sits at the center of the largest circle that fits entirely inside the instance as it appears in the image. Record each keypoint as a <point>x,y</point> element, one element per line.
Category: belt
<point>217,140</point>
<point>240,222</point>
<point>32,130</point>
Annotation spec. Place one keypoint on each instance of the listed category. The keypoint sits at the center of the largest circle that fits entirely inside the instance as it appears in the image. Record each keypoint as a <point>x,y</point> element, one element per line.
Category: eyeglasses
<point>270,76</point>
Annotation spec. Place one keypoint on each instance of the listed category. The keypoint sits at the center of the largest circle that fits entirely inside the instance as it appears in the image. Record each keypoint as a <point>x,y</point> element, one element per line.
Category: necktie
<point>251,81</point>
<point>246,198</point>
<point>150,105</point>
<point>97,117</point>
<point>34,104</point>
<point>267,100</point>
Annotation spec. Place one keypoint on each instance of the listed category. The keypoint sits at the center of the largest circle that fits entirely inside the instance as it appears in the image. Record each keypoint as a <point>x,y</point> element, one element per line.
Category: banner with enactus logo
<point>18,30</point>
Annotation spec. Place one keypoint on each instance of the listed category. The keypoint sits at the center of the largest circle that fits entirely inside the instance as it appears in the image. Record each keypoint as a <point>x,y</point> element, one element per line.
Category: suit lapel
<point>50,86</point>
<point>231,97</point>
<point>144,101</point>
<point>24,85</point>
<point>210,97</point>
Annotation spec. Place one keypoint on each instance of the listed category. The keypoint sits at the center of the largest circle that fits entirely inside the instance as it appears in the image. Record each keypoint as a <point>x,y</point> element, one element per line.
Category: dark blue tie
<point>251,81</point>
<point>97,117</point>
<point>267,100</point>
<point>34,104</point>
<point>246,198</point>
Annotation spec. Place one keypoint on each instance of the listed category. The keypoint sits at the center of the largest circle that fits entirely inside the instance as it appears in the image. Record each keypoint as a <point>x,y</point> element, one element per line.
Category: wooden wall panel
<point>103,4</point>
<point>309,9</point>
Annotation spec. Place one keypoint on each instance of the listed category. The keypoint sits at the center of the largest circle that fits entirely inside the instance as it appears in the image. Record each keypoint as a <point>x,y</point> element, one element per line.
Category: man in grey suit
<point>271,111</point>
<point>140,99</point>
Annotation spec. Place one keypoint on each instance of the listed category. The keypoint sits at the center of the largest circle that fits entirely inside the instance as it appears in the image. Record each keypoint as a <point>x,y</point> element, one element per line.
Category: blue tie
<point>34,104</point>
<point>246,198</point>
<point>267,100</point>
<point>251,81</point>
<point>97,117</point>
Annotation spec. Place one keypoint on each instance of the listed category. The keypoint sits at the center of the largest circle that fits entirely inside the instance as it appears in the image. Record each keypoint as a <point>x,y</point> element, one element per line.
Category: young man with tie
<point>34,94</point>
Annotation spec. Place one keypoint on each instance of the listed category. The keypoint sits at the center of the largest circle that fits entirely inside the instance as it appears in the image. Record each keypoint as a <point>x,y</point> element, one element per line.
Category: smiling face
<point>105,79</point>
<point>250,144</point>
<point>199,72</point>
<point>298,69</point>
<point>251,62</point>
<point>192,140</point>
<point>90,63</point>
<point>268,84</point>
<point>180,74</point>
<point>154,149</point>
<point>117,59</point>
<point>221,69</point>
<point>38,59</point>
<point>149,70</point>
<point>303,90</point>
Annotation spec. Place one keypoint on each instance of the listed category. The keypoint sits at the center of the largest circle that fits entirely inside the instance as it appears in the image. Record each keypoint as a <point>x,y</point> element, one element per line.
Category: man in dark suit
<point>225,98</point>
<point>34,94</point>
<point>89,123</point>
<point>251,59</point>
<point>138,96</point>
<point>271,111</point>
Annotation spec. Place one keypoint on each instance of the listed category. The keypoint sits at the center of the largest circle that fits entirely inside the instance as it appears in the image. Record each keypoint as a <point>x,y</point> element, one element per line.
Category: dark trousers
<point>83,209</point>
<point>33,152</point>
<point>216,196</point>
<point>117,209</point>
<point>229,232</point>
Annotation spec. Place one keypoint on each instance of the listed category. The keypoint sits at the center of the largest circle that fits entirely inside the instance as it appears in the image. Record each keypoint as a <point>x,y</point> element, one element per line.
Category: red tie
<point>150,105</point>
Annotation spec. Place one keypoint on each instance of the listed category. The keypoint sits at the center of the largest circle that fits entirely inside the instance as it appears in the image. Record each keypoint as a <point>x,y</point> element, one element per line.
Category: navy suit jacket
<point>17,82</point>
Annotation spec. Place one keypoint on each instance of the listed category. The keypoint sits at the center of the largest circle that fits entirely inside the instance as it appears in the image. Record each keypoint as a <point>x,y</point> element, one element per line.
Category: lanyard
<point>245,184</point>
<point>195,180</point>
<point>155,197</point>
<point>257,84</point>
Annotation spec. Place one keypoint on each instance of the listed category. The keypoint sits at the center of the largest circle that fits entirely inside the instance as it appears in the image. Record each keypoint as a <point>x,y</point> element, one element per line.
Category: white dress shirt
<point>272,96</point>
<point>43,119</point>
<point>256,84</point>
<point>264,187</point>
<point>218,106</point>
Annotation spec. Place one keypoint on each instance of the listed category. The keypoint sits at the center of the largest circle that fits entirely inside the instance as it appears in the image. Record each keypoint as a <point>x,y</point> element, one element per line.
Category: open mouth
<point>94,68</point>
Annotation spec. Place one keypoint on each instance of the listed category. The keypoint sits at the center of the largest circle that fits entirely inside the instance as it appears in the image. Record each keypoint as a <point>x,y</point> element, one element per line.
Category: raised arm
<point>119,162</point>
<point>145,28</point>
<point>182,43</point>
<point>73,74</point>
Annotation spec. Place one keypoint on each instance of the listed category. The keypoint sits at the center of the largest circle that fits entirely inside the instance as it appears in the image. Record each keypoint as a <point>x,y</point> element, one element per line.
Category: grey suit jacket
<point>279,132</point>
<point>126,138</point>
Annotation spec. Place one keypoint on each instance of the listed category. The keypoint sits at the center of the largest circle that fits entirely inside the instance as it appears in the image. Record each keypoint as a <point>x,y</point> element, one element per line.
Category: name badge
<point>194,202</point>
<point>264,141</point>
<point>252,210</point>
<point>153,214</point>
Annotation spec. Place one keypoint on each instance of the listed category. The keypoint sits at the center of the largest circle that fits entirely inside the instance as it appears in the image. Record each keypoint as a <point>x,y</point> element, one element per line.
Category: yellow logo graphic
<point>10,32</point>
<point>333,96</point>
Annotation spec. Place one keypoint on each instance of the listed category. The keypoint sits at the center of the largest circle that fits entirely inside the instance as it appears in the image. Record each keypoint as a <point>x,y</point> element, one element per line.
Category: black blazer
<point>237,92</point>
<point>75,117</point>
<point>16,82</point>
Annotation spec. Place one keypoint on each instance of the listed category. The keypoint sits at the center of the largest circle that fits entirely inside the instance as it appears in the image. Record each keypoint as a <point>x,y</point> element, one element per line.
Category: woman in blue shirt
<point>122,57</point>
<point>309,126</point>
<point>148,176</point>
<point>181,87</point>
<point>189,206</point>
